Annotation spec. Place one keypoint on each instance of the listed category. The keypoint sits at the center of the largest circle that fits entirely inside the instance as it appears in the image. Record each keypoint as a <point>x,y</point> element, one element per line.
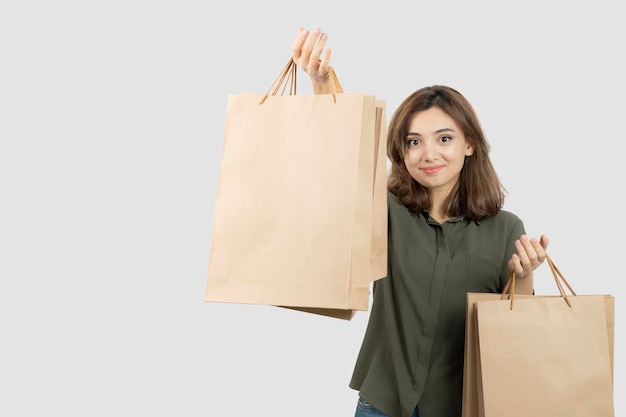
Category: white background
<point>111,129</point>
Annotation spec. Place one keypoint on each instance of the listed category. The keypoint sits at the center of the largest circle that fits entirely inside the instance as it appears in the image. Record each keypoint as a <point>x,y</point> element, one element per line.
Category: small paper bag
<point>539,355</point>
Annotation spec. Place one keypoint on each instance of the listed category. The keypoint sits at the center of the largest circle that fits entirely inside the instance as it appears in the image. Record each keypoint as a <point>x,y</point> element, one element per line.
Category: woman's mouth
<point>432,169</point>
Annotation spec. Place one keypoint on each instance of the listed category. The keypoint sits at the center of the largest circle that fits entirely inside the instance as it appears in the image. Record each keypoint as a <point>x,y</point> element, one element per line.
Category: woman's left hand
<point>530,254</point>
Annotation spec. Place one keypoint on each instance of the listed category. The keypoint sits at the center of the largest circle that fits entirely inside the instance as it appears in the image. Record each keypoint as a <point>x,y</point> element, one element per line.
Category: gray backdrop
<point>111,124</point>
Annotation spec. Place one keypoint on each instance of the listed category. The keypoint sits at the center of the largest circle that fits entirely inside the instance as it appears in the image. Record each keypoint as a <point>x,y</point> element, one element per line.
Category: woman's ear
<point>469,148</point>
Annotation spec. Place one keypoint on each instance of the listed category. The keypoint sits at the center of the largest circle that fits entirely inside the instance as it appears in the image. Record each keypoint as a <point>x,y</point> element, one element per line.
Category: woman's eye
<point>446,139</point>
<point>413,142</point>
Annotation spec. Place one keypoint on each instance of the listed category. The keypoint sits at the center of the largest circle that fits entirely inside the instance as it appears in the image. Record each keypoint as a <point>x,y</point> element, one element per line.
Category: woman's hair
<point>478,193</point>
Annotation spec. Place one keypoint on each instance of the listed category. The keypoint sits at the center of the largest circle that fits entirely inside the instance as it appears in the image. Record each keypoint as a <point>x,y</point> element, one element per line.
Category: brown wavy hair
<point>478,193</point>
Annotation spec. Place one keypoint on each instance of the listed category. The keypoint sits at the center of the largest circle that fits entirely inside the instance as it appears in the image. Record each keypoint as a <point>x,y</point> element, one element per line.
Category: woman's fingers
<point>309,53</point>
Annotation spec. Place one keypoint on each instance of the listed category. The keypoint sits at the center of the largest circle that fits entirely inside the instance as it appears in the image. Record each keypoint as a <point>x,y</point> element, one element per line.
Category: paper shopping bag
<point>471,374</point>
<point>539,355</point>
<point>300,216</point>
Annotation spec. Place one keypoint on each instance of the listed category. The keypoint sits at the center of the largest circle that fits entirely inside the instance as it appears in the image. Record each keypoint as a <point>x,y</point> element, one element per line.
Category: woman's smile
<point>432,169</point>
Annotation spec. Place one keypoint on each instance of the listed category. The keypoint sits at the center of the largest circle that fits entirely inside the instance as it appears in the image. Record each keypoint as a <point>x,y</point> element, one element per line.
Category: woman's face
<point>435,150</point>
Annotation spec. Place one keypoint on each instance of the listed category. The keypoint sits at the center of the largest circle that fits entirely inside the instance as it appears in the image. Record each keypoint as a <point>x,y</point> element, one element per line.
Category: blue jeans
<point>365,409</point>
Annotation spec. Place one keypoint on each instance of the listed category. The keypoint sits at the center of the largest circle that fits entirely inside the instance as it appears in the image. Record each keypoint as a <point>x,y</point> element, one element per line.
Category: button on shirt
<point>412,352</point>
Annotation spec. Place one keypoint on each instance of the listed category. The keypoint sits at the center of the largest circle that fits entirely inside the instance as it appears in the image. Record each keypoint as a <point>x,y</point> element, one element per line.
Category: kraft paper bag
<point>471,375</point>
<point>300,217</point>
<point>539,355</point>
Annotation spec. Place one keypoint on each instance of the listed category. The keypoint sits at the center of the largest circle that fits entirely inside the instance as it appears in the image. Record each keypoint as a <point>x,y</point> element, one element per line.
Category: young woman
<point>448,235</point>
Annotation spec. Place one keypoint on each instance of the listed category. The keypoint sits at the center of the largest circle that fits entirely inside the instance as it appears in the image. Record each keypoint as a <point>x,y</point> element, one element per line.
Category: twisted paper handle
<point>509,289</point>
<point>287,77</point>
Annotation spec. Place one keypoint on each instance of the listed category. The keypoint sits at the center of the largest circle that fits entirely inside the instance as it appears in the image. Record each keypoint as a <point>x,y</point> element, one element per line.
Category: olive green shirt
<point>412,352</point>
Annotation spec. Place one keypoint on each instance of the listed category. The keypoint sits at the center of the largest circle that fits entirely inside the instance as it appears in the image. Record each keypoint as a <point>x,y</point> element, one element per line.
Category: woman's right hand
<point>308,54</point>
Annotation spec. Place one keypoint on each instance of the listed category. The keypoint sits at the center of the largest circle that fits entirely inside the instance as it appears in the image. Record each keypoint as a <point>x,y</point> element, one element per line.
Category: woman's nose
<point>430,151</point>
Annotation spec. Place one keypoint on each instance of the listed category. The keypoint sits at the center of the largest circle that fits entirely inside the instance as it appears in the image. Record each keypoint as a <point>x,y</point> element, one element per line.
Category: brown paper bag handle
<point>509,289</point>
<point>288,77</point>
